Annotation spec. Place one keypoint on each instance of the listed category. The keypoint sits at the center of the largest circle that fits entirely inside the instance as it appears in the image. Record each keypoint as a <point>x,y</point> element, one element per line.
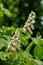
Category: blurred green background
<point>15,13</point>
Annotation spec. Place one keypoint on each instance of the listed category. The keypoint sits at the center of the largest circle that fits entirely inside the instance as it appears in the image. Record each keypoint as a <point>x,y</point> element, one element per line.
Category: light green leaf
<point>4,40</point>
<point>4,54</point>
<point>29,47</point>
<point>38,52</point>
<point>24,41</point>
<point>1,13</point>
<point>34,62</point>
<point>6,12</point>
<point>38,41</point>
<point>25,55</point>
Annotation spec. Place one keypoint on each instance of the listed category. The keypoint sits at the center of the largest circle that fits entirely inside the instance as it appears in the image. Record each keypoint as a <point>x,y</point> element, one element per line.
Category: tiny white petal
<point>24,29</point>
<point>32,27</point>
<point>12,37</point>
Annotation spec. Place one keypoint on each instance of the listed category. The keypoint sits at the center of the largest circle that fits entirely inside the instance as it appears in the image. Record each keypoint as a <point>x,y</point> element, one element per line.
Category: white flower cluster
<point>14,44</point>
<point>29,23</point>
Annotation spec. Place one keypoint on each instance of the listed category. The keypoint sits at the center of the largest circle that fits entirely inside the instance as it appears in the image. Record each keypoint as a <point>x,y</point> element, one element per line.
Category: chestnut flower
<point>28,27</point>
<point>15,42</point>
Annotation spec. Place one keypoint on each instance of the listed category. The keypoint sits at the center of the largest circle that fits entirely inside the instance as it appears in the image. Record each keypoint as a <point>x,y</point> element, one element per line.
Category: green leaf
<point>38,52</point>
<point>38,41</point>
<point>4,54</point>
<point>3,43</point>
<point>4,40</point>
<point>1,5</point>
<point>35,39</point>
<point>29,47</point>
<point>25,55</point>
<point>34,62</point>
<point>7,30</point>
<point>24,41</point>
<point>6,12</point>
<point>28,36</point>
<point>1,13</point>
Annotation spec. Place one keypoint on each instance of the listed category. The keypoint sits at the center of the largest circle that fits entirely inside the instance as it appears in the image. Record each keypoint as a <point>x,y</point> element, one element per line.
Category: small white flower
<point>11,41</point>
<point>13,44</point>
<point>18,36</point>
<point>30,31</point>
<point>32,14</point>
<point>25,26</point>
<point>13,49</point>
<point>9,47</point>
<point>24,30</point>
<point>19,41</point>
<point>32,27</point>
<point>33,21</point>
<point>12,38</point>
<point>26,23</point>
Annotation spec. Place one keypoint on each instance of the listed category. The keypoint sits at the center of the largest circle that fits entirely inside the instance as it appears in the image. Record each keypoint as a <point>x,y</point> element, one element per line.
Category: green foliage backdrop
<point>13,15</point>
